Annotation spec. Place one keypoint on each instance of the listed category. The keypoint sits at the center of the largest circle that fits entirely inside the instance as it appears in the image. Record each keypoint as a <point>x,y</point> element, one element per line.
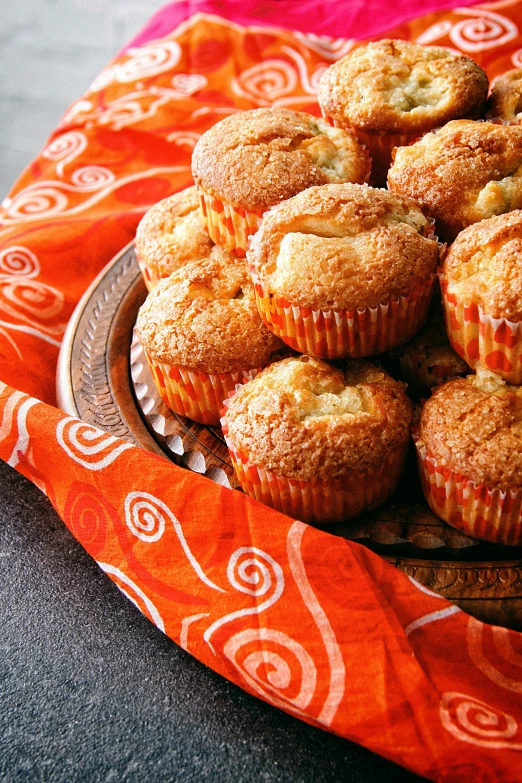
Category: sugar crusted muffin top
<point>204,317</point>
<point>257,158</point>
<point>505,101</point>
<point>303,418</point>
<point>462,173</point>
<point>392,86</point>
<point>484,266</point>
<point>343,246</point>
<point>474,426</point>
<point>173,232</point>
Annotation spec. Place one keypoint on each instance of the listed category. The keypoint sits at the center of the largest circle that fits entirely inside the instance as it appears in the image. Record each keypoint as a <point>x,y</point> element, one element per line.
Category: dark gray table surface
<point>91,691</point>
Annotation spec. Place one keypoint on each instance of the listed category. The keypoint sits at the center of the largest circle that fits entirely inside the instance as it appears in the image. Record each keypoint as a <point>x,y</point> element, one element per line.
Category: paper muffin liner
<point>197,395</point>
<point>334,334</point>
<point>228,226</point>
<point>322,502</point>
<point>489,514</point>
<point>481,340</point>
<point>150,276</point>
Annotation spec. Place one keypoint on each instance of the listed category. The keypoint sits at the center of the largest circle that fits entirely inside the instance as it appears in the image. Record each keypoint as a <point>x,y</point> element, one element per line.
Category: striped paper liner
<point>479,511</point>
<point>228,226</point>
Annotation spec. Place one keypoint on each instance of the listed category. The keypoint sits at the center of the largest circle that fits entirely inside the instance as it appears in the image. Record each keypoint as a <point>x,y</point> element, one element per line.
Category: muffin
<point>254,159</point>
<point>318,443</point>
<point>391,92</point>
<point>481,280</point>
<point>202,335</point>
<point>171,233</point>
<point>464,172</point>
<point>344,270</point>
<point>505,102</point>
<point>428,359</point>
<point>469,448</point>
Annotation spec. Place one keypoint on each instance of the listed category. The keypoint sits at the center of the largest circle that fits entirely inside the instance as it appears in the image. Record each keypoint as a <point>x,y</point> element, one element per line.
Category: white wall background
<point>50,51</point>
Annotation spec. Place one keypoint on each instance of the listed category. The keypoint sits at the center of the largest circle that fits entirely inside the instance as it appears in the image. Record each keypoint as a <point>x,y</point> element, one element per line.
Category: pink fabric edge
<point>335,18</point>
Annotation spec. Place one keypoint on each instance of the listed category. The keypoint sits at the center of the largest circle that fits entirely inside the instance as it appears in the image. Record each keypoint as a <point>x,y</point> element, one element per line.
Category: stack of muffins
<point>275,277</point>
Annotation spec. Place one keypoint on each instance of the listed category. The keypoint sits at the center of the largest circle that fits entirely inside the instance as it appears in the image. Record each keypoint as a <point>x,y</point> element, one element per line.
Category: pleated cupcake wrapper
<point>228,226</point>
<point>197,395</point>
<point>483,341</point>
<point>317,501</point>
<point>477,510</point>
<point>150,276</point>
<point>333,334</point>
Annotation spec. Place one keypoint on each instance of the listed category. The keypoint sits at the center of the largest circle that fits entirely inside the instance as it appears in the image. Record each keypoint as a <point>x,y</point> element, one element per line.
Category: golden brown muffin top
<point>505,100</point>
<point>431,345</point>
<point>173,232</point>
<point>484,266</point>
<point>343,246</point>
<point>204,317</point>
<point>393,86</point>
<point>255,159</point>
<point>474,426</point>
<point>462,173</point>
<point>303,418</point>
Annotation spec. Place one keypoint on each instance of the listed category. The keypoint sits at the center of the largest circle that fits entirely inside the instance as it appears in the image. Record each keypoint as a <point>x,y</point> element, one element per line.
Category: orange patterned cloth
<point>313,624</point>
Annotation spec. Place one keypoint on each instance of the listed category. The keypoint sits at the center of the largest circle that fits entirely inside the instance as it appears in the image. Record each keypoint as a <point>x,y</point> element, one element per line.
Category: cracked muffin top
<point>474,426</point>
<point>483,266</point>
<point>393,86</point>
<point>462,173</point>
<point>255,159</point>
<point>343,246</point>
<point>303,418</point>
<point>204,317</point>
<point>505,101</point>
<point>171,233</point>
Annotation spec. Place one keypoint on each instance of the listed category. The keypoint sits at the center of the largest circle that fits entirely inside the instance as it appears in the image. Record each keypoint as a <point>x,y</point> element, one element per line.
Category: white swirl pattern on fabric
<point>32,302</point>
<point>148,61</point>
<point>65,148</point>
<point>92,177</point>
<point>475,641</point>
<point>486,30</point>
<point>333,650</point>
<point>22,443</point>
<point>266,81</point>
<point>134,593</point>
<point>19,261</point>
<point>253,572</point>
<point>150,527</point>
<point>473,721</point>
<point>271,670</point>
<point>88,446</point>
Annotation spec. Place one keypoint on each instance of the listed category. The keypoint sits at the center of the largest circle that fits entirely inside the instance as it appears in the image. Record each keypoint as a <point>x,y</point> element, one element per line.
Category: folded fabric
<point>316,625</point>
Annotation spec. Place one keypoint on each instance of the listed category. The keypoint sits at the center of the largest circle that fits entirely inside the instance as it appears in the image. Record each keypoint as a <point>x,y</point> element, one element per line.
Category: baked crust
<point>204,317</point>
<point>173,232</point>
<point>393,86</point>
<point>304,419</point>
<point>483,266</point>
<point>255,159</point>
<point>462,173</point>
<point>343,246</point>
<point>474,426</point>
<point>505,101</point>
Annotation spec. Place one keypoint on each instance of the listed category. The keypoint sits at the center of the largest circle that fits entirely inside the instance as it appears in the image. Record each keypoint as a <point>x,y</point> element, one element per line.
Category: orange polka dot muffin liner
<point>197,395</point>
<point>325,502</point>
<point>334,334</point>
<point>481,340</point>
<point>228,226</point>
<point>489,514</point>
<point>151,278</point>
